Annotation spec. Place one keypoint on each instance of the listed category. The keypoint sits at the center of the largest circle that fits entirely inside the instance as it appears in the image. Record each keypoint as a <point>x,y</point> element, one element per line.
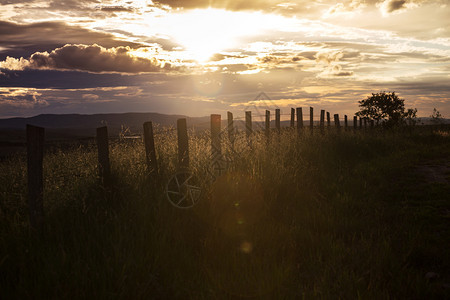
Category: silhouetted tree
<point>386,108</point>
<point>436,117</point>
<point>411,116</point>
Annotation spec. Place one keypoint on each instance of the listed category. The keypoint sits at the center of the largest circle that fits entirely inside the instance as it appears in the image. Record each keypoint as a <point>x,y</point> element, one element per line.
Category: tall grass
<point>310,216</point>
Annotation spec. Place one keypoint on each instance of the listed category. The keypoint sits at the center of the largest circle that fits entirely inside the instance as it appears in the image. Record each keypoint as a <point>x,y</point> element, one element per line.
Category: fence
<point>35,148</point>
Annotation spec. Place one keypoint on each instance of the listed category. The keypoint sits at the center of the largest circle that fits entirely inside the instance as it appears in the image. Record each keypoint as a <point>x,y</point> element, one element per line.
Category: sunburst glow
<point>203,32</point>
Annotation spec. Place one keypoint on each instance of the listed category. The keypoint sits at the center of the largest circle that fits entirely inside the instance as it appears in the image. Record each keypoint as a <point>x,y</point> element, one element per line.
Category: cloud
<point>291,60</point>
<point>395,6</point>
<point>93,58</point>
<point>235,5</point>
<point>90,97</point>
<point>336,9</point>
<point>22,98</point>
<point>332,59</point>
<point>116,9</point>
<point>6,2</point>
<point>44,79</point>
<point>11,63</point>
<point>329,57</point>
<point>26,39</point>
<point>189,4</point>
<point>334,71</point>
<point>70,4</point>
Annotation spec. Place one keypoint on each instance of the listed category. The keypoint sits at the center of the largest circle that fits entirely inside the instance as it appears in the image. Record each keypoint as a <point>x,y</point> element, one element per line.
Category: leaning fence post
<point>248,123</point>
<point>355,122</point>
<point>345,122</point>
<point>292,117</point>
<point>183,145</point>
<point>311,118</point>
<point>336,121</point>
<point>277,120</point>
<point>328,119</point>
<point>267,124</point>
<point>35,158</point>
<point>230,127</point>
<point>104,168</point>
<point>150,152</point>
<point>299,120</point>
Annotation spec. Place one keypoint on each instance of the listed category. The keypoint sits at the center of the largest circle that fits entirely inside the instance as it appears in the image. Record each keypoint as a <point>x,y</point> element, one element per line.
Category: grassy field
<point>333,216</point>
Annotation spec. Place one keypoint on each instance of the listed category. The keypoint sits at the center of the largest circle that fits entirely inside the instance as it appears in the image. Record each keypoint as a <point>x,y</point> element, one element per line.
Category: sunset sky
<point>197,57</point>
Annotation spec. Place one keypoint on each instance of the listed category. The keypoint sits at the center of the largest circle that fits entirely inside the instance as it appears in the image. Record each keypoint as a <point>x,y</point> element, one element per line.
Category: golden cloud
<point>90,58</point>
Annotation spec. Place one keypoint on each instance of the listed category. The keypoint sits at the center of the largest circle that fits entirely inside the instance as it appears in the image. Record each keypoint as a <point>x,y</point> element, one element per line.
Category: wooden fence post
<point>230,127</point>
<point>216,148</point>
<point>268,124</point>
<point>150,151</point>
<point>365,123</point>
<point>355,122</point>
<point>292,117</point>
<point>35,158</point>
<point>248,123</point>
<point>322,120</point>
<point>278,120</point>
<point>183,145</point>
<point>311,118</point>
<point>360,123</point>
<point>345,122</point>
<point>336,122</point>
<point>328,119</point>
<point>104,168</point>
<point>299,120</point>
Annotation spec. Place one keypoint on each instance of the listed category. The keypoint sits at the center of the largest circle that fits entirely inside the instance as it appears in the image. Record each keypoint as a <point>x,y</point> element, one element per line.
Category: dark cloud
<point>394,5</point>
<point>6,2</point>
<point>423,92</point>
<point>93,58</point>
<point>343,73</point>
<point>70,4</point>
<point>424,85</point>
<point>116,9</point>
<point>24,40</point>
<point>281,60</point>
<point>44,79</point>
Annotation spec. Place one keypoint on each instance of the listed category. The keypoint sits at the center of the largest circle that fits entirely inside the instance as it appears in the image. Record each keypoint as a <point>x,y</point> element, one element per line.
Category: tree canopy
<point>386,107</point>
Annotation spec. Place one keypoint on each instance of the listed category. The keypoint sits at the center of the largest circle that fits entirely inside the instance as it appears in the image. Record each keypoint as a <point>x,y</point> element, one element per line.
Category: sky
<point>199,57</point>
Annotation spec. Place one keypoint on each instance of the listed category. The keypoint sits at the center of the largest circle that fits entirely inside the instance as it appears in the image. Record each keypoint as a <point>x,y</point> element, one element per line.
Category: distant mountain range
<point>78,121</point>
<point>78,125</point>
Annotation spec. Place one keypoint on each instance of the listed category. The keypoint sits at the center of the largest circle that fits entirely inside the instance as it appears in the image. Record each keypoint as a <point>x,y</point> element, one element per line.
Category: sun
<point>204,32</point>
